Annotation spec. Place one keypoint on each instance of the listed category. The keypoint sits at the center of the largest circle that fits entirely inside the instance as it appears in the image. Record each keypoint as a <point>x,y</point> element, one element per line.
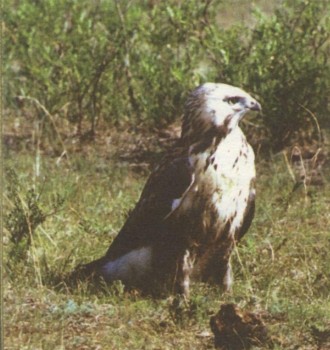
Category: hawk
<point>196,204</point>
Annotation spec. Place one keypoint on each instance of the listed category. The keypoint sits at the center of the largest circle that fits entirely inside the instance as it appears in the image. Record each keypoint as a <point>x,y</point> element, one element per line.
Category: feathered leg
<point>184,270</point>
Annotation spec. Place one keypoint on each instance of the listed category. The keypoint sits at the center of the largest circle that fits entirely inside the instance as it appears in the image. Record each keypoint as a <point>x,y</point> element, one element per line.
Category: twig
<point>35,259</point>
<point>49,115</point>
<point>289,166</point>
<point>316,122</point>
<point>314,158</point>
<point>205,10</point>
<point>244,270</point>
<point>128,73</point>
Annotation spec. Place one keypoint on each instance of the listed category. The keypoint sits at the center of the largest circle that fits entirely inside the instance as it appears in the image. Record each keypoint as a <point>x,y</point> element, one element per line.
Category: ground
<point>281,267</point>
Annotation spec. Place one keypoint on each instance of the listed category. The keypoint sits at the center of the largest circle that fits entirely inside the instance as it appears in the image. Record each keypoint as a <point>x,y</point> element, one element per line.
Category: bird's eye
<point>232,100</point>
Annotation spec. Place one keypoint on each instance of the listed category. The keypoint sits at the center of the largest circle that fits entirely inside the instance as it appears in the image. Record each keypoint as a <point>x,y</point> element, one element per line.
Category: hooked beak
<point>255,106</point>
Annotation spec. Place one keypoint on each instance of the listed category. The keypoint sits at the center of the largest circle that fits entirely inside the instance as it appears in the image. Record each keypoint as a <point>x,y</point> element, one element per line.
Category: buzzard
<point>195,205</point>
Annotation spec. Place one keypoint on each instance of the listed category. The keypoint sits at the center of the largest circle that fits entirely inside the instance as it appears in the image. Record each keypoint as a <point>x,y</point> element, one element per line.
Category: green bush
<point>25,215</point>
<point>284,60</point>
<point>132,62</point>
<point>59,52</point>
<point>103,59</point>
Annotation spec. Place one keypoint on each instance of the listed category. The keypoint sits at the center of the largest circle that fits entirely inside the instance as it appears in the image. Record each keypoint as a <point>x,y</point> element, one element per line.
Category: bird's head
<point>216,107</point>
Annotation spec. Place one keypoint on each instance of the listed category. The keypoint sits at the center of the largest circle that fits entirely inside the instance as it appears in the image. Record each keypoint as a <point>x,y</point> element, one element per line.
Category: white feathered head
<point>217,108</point>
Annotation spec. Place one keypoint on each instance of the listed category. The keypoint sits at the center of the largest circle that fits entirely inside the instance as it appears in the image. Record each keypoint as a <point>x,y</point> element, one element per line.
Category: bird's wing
<point>159,198</point>
<point>249,213</point>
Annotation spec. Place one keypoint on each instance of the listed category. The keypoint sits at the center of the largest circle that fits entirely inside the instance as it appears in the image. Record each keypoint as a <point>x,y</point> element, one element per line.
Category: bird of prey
<point>196,204</point>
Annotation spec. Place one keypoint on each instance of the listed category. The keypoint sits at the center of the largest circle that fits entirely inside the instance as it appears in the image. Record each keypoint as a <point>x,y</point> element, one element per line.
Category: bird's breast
<point>223,180</point>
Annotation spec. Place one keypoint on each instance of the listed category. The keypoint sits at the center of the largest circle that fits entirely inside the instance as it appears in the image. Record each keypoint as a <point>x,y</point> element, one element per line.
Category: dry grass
<point>281,267</point>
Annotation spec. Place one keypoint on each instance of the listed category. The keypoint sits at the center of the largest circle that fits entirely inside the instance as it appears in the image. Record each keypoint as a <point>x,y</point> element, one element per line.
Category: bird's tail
<point>86,272</point>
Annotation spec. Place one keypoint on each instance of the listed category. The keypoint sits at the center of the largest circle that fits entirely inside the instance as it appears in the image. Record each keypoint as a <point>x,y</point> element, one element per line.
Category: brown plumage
<point>194,206</point>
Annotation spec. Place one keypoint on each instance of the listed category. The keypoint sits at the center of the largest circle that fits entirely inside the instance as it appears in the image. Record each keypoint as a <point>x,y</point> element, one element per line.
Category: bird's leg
<point>182,279</point>
<point>228,280</point>
<point>218,269</point>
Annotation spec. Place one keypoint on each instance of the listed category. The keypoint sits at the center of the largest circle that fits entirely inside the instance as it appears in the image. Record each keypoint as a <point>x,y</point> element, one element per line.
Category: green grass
<point>281,267</point>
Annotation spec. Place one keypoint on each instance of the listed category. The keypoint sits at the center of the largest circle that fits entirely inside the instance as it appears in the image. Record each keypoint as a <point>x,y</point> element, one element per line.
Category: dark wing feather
<point>146,222</point>
<point>248,215</point>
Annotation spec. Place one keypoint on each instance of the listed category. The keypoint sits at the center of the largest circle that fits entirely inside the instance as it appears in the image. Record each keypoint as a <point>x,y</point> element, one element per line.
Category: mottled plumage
<point>195,205</point>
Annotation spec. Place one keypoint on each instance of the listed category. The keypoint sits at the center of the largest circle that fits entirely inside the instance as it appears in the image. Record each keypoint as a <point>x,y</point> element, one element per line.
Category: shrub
<point>284,60</point>
<point>113,60</point>
<point>132,63</point>
<point>59,52</point>
<point>25,215</point>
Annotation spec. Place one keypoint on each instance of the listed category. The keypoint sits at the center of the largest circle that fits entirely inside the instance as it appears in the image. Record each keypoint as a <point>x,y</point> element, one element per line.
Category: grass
<point>281,267</point>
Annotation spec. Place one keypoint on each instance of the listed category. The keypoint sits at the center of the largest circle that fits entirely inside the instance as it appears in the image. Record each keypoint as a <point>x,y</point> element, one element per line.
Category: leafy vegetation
<point>284,60</point>
<point>25,215</point>
<point>108,66</point>
<point>281,267</point>
<point>132,63</point>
